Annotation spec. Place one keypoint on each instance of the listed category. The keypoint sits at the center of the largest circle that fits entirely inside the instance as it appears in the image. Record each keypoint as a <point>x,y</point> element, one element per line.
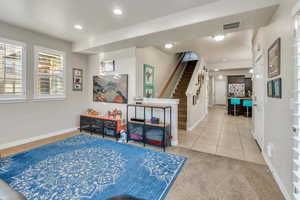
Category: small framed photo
<point>108,66</point>
<point>194,100</point>
<point>270,88</point>
<point>277,87</point>
<point>77,79</point>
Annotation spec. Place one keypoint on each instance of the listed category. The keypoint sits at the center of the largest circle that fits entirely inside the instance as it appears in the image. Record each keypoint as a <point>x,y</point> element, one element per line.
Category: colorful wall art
<point>149,90</point>
<point>237,90</point>
<point>111,88</point>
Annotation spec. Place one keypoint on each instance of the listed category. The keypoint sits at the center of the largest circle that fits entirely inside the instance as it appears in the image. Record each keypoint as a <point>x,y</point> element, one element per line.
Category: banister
<point>172,76</point>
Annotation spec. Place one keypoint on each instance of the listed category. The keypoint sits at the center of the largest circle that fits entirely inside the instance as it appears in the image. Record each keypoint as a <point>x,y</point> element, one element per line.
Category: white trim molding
<point>33,139</point>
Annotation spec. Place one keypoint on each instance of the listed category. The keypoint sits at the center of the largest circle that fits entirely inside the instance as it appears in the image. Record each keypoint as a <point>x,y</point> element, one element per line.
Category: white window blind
<point>49,73</point>
<point>297,114</point>
<point>12,70</point>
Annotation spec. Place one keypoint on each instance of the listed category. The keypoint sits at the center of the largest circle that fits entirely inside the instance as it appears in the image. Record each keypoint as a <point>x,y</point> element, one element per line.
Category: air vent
<point>231,26</point>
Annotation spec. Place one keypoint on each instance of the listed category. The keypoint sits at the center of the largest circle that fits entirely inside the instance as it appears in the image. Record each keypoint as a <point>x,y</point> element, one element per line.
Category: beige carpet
<point>211,177</point>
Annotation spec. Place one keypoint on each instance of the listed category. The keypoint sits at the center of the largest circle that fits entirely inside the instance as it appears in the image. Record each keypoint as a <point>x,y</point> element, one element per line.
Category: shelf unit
<point>101,125</point>
<point>147,132</point>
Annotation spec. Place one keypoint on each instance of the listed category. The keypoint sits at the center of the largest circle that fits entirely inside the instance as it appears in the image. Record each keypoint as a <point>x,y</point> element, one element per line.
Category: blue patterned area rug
<point>86,167</point>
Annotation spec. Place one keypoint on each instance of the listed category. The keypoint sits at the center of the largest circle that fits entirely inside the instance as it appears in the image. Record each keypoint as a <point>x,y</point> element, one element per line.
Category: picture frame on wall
<point>149,90</point>
<point>277,88</point>
<point>111,89</point>
<point>270,88</point>
<point>274,59</point>
<point>108,66</point>
<point>77,79</point>
<point>194,99</point>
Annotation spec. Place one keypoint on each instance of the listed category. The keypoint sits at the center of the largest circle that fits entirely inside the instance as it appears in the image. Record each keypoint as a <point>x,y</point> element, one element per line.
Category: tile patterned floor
<point>223,135</point>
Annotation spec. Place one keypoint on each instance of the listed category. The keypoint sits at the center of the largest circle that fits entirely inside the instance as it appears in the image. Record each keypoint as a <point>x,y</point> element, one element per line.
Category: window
<point>49,74</point>
<point>12,70</point>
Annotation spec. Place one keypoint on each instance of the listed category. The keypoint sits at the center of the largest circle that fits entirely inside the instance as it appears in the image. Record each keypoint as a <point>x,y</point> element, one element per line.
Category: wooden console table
<point>101,125</point>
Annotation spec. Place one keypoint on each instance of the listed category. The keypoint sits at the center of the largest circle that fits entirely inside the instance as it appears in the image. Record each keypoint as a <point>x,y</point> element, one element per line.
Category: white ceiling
<point>57,17</point>
<point>235,48</point>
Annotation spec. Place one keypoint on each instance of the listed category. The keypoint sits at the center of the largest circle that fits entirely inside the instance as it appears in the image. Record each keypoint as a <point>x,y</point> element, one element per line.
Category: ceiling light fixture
<point>117,11</point>
<point>216,70</point>
<point>169,46</point>
<point>219,37</point>
<point>251,71</point>
<point>78,27</point>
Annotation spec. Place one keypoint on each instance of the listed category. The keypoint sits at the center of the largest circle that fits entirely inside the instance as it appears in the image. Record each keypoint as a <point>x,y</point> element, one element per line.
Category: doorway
<point>221,89</point>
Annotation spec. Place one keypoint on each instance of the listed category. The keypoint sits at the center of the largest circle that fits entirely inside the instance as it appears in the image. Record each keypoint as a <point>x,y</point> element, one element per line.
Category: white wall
<point>20,121</point>
<point>196,113</point>
<point>278,115</point>
<point>164,66</point>
<point>125,60</point>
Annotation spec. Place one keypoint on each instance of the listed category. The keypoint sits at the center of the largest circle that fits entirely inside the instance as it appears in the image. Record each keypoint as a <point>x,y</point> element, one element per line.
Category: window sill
<point>12,100</point>
<point>61,98</point>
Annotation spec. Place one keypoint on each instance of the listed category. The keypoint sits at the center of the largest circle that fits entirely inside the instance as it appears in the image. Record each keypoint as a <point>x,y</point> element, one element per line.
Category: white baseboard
<point>277,178</point>
<point>196,123</point>
<point>33,139</point>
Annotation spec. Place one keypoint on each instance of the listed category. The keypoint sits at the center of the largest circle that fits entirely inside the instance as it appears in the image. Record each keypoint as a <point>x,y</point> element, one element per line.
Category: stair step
<point>182,117</point>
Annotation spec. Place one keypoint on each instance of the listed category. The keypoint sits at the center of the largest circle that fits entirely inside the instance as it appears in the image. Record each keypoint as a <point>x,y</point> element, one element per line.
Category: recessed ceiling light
<point>117,11</point>
<point>216,70</point>
<point>251,71</point>
<point>219,37</point>
<point>78,27</point>
<point>169,46</point>
<point>220,77</point>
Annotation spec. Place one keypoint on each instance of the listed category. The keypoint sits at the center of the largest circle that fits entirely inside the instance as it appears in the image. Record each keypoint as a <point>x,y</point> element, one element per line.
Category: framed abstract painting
<point>111,88</point>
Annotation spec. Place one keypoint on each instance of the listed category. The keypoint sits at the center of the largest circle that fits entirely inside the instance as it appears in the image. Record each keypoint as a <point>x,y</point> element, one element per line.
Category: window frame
<point>23,97</point>
<point>36,95</point>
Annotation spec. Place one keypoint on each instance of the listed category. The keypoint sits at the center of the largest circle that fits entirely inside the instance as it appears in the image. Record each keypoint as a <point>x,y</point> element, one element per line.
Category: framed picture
<point>237,89</point>
<point>270,88</point>
<point>274,59</point>
<point>77,79</point>
<point>149,90</point>
<point>277,88</point>
<point>111,88</point>
<point>194,100</point>
<point>108,66</point>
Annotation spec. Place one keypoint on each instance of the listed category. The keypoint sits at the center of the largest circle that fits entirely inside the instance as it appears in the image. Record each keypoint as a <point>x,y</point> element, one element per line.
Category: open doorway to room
<point>227,128</point>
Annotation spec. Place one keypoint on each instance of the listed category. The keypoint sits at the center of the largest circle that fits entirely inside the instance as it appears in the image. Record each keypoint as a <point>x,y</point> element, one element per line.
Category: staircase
<point>180,93</point>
